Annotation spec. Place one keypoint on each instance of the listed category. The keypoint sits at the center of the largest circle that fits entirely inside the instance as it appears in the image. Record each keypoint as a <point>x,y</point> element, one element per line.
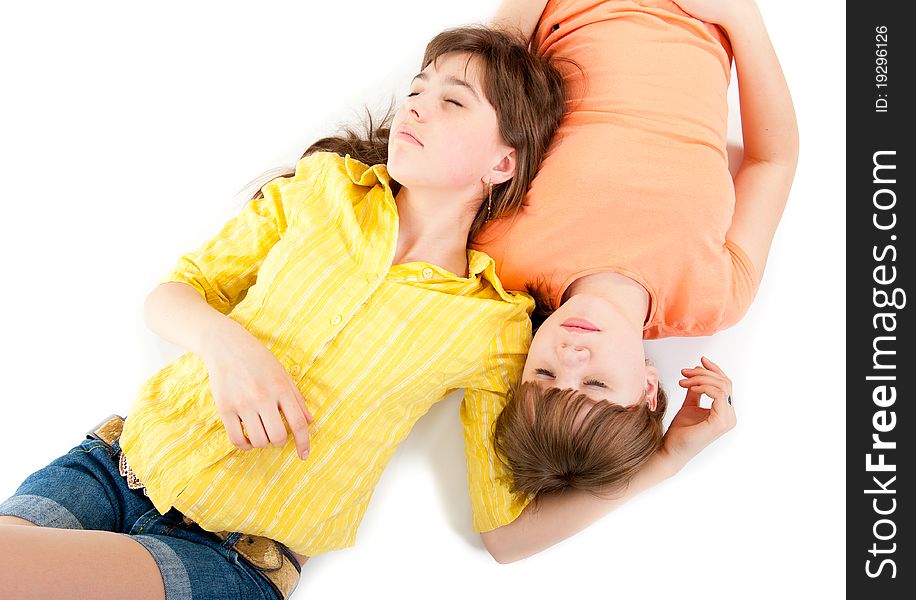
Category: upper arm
<point>522,15</point>
<point>223,267</point>
<point>489,480</point>
<point>491,543</point>
<point>761,191</point>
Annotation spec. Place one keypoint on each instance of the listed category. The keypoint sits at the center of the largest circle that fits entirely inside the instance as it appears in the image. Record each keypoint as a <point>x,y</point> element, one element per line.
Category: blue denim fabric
<point>84,490</point>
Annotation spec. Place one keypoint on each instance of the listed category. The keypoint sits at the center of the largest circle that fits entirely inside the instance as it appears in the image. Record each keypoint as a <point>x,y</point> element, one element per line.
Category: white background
<point>127,130</point>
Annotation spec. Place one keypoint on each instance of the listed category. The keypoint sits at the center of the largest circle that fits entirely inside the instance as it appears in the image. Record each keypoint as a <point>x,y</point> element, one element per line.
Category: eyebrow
<point>451,81</point>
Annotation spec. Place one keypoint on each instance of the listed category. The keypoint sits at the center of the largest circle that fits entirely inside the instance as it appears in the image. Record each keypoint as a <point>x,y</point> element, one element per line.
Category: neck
<point>629,298</point>
<point>433,228</point>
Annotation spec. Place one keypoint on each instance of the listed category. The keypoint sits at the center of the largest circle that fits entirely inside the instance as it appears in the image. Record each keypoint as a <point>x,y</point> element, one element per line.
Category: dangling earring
<point>489,200</point>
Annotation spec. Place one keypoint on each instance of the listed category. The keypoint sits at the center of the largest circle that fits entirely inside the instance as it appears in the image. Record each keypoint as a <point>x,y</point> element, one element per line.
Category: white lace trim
<point>133,482</point>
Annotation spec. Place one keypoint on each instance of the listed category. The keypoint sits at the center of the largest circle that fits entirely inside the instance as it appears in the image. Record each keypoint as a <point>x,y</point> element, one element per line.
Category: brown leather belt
<point>271,558</point>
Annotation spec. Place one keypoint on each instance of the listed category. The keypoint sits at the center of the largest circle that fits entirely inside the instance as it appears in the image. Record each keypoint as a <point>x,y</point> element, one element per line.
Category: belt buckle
<point>108,430</point>
<point>270,558</point>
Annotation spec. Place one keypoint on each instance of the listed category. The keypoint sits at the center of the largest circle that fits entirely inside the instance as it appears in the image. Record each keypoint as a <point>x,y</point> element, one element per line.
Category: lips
<point>406,134</point>
<point>580,325</point>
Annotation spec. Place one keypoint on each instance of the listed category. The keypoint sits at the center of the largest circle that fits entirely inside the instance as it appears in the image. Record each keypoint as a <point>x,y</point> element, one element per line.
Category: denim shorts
<point>84,490</point>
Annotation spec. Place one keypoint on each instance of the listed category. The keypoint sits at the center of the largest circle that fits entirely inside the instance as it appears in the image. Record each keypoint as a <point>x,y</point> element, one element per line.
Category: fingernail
<point>305,454</point>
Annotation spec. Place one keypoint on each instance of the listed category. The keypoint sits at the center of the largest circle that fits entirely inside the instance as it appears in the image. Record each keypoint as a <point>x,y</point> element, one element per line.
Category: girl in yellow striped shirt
<point>321,322</point>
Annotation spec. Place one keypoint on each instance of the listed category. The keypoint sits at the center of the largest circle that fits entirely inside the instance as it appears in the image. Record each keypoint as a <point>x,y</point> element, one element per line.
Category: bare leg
<point>6,520</point>
<point>45,562</point>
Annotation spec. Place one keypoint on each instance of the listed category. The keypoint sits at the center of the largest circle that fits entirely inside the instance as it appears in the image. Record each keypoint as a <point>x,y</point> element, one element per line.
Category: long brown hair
<point>526,90</point>
<point>552,439</point>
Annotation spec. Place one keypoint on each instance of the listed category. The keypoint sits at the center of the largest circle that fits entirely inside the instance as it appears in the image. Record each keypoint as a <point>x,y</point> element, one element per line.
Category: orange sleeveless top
<point>636,180</point>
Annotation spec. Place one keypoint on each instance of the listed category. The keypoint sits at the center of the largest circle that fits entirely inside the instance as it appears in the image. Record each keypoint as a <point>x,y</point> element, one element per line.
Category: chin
<point>395,167</point>
<point>408,172</point>
<point>585,306</point>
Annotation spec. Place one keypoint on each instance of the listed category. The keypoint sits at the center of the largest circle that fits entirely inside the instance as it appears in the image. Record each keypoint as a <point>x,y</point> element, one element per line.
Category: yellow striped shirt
<point>370,345</point>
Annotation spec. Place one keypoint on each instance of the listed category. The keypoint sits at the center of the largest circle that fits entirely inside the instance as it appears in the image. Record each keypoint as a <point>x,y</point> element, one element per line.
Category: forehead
<point>457,65</point>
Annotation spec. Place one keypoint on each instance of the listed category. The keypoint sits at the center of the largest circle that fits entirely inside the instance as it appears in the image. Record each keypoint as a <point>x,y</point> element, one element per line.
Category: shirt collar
<point>482,265</point>
<point>478,262</point>
<point>364,175</point>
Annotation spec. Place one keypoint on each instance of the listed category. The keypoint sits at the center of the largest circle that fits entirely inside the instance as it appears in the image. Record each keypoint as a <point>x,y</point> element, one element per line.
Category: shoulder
<point>315,164</point>
<point>337,179</point>
<point>343,167</point>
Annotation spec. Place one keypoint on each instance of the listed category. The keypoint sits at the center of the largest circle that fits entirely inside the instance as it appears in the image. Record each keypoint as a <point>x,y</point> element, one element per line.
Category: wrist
<point>743,14</point>
<point>212,335</point>
<point>670,462</point>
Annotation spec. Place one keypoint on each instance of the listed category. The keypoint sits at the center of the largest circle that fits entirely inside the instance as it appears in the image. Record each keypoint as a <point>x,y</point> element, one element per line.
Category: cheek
<point>541,338</point>
<point>472,139</point>
<point>479,139</point>
<point>635,372</point>
<point>538,351</point>
<point>460,166</point>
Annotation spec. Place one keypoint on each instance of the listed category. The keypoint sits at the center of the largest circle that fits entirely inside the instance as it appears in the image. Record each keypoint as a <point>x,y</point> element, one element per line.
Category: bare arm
<point>561,516</point>
<point>770,134</point>
<point>520,15</point>
<point>177,313</point>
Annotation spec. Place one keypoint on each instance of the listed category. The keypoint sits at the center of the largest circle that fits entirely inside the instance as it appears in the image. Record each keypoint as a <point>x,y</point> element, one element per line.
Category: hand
<point>250,387</point>
<point>693,427</point>
<point>718,12</point>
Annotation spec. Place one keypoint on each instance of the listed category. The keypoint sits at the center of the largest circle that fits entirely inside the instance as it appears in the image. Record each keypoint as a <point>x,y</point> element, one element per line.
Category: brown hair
<point>526,90</point>
<point>548,445</point>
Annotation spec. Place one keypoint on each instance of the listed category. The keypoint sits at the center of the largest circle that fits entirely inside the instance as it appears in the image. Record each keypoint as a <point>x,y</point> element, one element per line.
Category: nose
<point>572,356</point>
<point>412,104</point>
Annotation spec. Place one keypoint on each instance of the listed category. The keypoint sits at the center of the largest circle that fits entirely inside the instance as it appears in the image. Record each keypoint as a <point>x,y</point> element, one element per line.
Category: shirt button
<point>336,319</point>
<point>294,370</point>
<point>427,273</point>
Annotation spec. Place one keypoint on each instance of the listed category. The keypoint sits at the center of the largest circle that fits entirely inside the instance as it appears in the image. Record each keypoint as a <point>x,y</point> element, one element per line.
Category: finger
<point>723,382</point>
<point>712,366</point>
<point>294,411</point>
<point>713,392</point>
<point>701,380</point>
<point>723,412</point>
<point>274,426</point>
<point>692,398</point>
<point>308,416</point>
<point>234,429</point>
<point>251,420</point>
<point>698,370</point>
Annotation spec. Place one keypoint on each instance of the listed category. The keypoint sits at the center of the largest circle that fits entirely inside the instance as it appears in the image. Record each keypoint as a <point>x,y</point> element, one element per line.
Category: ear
<point>504,169</point>
<point>651,387</point>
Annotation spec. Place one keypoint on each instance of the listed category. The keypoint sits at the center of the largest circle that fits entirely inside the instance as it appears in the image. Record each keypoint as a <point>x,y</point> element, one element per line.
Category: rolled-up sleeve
<point>223,267</point>
<point>492,504</point>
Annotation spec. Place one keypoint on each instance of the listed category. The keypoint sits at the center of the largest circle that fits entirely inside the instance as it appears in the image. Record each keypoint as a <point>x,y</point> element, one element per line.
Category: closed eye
<point>455,102</point>
<point>593,382</point>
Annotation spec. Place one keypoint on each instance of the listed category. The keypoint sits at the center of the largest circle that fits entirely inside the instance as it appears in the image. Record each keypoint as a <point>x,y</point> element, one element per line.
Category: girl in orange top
<point>634,229</point>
